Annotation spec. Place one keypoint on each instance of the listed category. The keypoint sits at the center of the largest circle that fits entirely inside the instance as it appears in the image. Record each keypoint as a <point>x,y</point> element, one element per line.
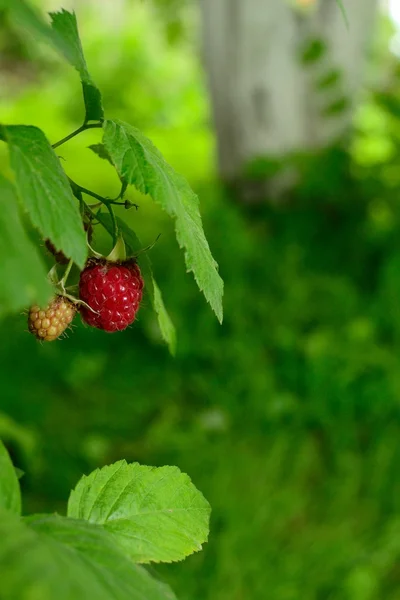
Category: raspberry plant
<point>61,209</point>
<point>123,515</point>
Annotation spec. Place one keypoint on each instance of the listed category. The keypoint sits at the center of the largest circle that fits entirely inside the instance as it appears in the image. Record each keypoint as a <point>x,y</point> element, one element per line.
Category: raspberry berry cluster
<point>110,292</point>
<point>50,322</point>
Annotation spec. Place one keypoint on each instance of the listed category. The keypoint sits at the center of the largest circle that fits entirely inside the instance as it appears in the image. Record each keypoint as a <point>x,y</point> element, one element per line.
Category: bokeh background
<point>287,416</point>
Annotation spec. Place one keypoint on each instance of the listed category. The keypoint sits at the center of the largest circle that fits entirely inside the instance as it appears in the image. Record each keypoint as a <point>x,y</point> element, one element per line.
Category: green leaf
<point>101,152</point>
<point>19,473</point>
<point>63,36</point>
<point>134,246</point>
<point>23,278</point>
<point>47,557</point>
<point>164,321</point>
<point>142,165</point>
<point>10,493</point>
<point>156,514</point>
<point>27,17</point>
<point>44,190</point>
<point>66,27</point>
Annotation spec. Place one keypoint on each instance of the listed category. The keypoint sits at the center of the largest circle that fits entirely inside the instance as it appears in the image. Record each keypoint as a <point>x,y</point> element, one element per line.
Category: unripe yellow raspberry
<point>48,323</point>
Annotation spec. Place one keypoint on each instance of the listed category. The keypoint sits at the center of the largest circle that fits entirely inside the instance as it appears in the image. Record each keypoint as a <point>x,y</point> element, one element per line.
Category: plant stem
<point>78,194</point>
<point>77,132</point>
<point>114,223</point>
<point>90,193</point>
<point>66,273</point>
<point>106,201</point>
<point>78,190</point>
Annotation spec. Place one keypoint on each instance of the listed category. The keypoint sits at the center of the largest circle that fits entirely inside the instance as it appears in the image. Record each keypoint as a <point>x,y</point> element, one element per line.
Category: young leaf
<point>155,514</point>
<point>10,494</point>
<point>50,557</point>
<point>142,165</point>
<point>101,152</point>
<point>65,25</point>
<point>23,278</point>
<point>44,190</point>
<point>134,245</point>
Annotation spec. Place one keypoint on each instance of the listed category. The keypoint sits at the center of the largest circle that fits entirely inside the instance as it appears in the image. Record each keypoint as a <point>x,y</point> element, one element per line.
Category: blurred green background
<point>287,416</point>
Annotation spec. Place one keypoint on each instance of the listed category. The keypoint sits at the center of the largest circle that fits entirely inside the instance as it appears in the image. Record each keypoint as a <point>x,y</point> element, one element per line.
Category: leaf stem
<point>88,192</point>
<point>114,223</point>
<point>78,190</point>
<point>106,201</point>
<point>66,274</point>
<point>77,132</point>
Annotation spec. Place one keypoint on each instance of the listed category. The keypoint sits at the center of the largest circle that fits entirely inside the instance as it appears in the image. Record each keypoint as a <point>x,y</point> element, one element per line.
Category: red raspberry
<point>113,290</point>
<point>49,322</point>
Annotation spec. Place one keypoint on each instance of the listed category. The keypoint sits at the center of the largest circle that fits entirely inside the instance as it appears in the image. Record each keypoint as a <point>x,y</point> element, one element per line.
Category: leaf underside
<point>23,279</point>
<point>139,162</point>
<point>44,190</point>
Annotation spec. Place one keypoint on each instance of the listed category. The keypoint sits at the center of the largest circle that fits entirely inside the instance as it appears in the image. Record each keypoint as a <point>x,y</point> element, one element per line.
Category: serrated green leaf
<point>26,16</point>
<point>63,36</point>
<point>65,25</point>
<point>10,493</point>
<point>101,152</point>
<point>139,162</point>
<point>44,190</point>
<point>134,246</point>
<point>23,278</point>
<point>155,514</point>
<point>48,557</point>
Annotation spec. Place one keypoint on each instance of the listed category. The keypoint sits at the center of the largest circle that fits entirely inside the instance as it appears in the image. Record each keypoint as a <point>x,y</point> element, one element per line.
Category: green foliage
<point>27,17</point>
<point>20,267</point>
<point>288,414</point>
<point>51,557</point>
<point>131,501</point>
<point>125,513</point>
<point>63,35</point>
<point>94,555</point>
<point>44,190</point>
<point>10,496</point>
<point>48,194</point>
<point>141,164</point>
<point>101,152</point>
<point>64,23</point>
